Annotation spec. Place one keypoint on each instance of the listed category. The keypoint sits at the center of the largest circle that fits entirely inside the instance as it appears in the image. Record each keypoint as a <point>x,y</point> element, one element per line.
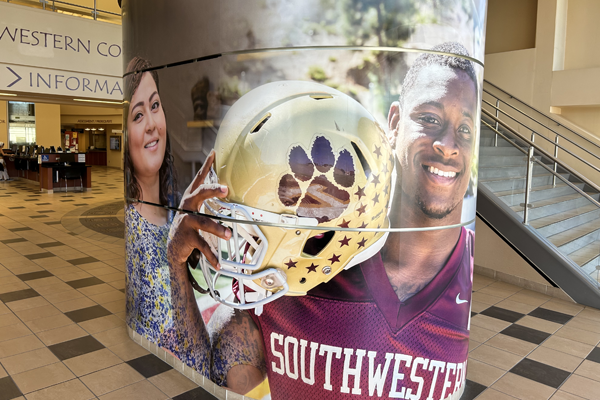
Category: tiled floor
<point>62,331</point>
<point>62,306</point>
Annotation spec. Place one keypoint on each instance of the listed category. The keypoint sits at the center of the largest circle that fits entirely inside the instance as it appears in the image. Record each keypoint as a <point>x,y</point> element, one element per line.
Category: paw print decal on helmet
<point>321,198</point>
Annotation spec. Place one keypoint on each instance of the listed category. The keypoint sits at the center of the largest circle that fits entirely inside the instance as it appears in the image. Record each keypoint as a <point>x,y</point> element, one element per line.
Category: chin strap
<point>193,261</point>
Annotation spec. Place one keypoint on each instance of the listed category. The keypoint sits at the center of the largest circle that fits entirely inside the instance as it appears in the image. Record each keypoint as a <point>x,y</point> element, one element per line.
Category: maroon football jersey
<point>352,338</point>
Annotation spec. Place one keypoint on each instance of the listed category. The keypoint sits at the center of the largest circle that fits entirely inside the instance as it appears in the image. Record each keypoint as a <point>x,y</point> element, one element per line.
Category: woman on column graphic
<point>150,185</point>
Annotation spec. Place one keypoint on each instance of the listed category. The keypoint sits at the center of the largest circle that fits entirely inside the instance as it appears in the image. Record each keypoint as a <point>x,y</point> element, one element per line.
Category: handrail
<point>565,180</point>
<point>542,151</point>
<point>556,145</point>
<point>538,122</point>
<point>93,9</point>
<point>535,109</point>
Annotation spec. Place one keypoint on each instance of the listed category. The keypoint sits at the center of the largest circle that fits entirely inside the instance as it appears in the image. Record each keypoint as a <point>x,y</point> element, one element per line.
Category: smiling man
<point>397,324</point>
<point>433,129</point>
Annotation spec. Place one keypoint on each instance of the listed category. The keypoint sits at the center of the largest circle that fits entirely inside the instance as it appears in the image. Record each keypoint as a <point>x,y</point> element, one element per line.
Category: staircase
<point>564,208</point>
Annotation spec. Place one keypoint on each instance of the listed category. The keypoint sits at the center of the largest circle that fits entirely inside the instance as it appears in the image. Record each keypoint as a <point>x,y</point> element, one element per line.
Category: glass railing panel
<point>502,166</point>
<point>568,219</point>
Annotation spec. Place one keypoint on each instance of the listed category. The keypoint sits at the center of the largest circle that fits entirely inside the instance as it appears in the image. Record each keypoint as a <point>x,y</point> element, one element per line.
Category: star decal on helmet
<point>375,180</point>
<point>322,199</point>
<point>377,151</point>
<point>291,264</point>
<point>385,169</point>
<point>345,241</point>
<point>360,192</point>
<point>344,224</point>
<point>362,243</point>
<point>362,209</point>
<point>312,268</point>
<point>375,199</point>
<point>335,259</point>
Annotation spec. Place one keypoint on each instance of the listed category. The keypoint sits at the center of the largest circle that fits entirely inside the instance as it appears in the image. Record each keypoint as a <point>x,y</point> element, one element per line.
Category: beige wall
<point>492,252</point>
<point>586,117</point>
<point>512,71</point>
<point>510,25</point>
<point>47,124</point>
<point>114,158</point>
<point>576,87</point>
<point>4,123</point>
<point>583,32</point>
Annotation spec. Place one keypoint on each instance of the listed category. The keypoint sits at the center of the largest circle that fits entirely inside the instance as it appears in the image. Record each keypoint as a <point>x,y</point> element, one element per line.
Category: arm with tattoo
<point>237,350</point>
<point>192,341</point>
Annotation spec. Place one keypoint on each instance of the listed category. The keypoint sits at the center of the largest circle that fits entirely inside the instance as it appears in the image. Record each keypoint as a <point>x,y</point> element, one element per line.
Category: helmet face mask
<point>297,154</point>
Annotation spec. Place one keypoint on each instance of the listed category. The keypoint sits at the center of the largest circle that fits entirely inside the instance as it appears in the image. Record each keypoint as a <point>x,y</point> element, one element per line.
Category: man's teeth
<point>151,144</point>
<point>445,174</point>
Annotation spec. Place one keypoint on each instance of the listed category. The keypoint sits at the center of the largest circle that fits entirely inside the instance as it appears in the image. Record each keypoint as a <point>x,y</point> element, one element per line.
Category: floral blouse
<point>148,283</point>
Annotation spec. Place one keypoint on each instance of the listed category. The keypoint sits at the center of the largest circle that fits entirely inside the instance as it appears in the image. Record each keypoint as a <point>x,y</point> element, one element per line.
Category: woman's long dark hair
<point>167,175</point>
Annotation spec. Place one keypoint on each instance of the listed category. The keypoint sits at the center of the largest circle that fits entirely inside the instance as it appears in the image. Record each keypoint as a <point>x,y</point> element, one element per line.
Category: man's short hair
<point>427,59</point>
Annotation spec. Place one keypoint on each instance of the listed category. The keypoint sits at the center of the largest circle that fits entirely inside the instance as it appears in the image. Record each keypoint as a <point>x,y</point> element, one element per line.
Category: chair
<point>72,173</point>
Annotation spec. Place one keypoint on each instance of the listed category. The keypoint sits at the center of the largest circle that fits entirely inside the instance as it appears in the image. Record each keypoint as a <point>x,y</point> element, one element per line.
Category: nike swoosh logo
<point>458,300</point>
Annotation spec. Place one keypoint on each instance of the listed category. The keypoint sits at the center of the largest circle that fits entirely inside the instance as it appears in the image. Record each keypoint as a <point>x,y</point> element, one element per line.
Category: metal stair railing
<point>586,288</point>
<point>532,147</point>
<point>569,137</point>
<point>536,110</point>
<point>75,9</point>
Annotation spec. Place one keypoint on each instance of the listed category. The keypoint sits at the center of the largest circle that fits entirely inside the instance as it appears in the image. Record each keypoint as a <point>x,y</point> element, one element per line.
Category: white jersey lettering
<point>291,340</point>
<point>398,376</point>
<point>413,377</point>
<point>352,371</point>
<point>377,378</point>
<point>313,349</point>
<point>330,350</point>
<point>279,370</point>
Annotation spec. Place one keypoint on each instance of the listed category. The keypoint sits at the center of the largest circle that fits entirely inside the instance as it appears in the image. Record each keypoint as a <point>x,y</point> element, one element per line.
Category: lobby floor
<point>62,310</point>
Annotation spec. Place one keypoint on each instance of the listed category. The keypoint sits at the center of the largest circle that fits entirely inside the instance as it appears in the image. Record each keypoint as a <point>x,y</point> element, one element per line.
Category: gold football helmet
<point>303,155</point>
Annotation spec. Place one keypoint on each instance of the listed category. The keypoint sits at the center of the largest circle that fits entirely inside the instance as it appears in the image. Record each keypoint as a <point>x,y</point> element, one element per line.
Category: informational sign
<point>44,157</point>
<point>81,157</point>
<point>92,119</point>
<point>340,148</point>
<point>51,53</point>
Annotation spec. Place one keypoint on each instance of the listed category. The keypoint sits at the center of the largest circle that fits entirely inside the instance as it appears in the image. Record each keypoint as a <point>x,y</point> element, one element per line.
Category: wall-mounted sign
<point>50,53</point>
<point>51,81</point>
<point>92,119</point>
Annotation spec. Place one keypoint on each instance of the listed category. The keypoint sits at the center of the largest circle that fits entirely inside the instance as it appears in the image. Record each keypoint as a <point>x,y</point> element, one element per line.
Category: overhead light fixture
<point>7,94</point>
<point>99,101</point>
<point>87,129</point>
<point>93,129</point>
<point>100,129</point>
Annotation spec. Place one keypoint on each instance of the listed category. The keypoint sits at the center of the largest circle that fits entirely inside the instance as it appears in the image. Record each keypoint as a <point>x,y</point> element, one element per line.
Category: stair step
<point>547,202</point>
<point>539,193</point>
<point>586,254</point>
<point>543,208</point>
<point>509,171</point>
<point>573,234</point>
<point>545,222</point>
<point>517,182</point>
<point>492,161</point>
<point>535,189</point>
<point>499,151</point>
